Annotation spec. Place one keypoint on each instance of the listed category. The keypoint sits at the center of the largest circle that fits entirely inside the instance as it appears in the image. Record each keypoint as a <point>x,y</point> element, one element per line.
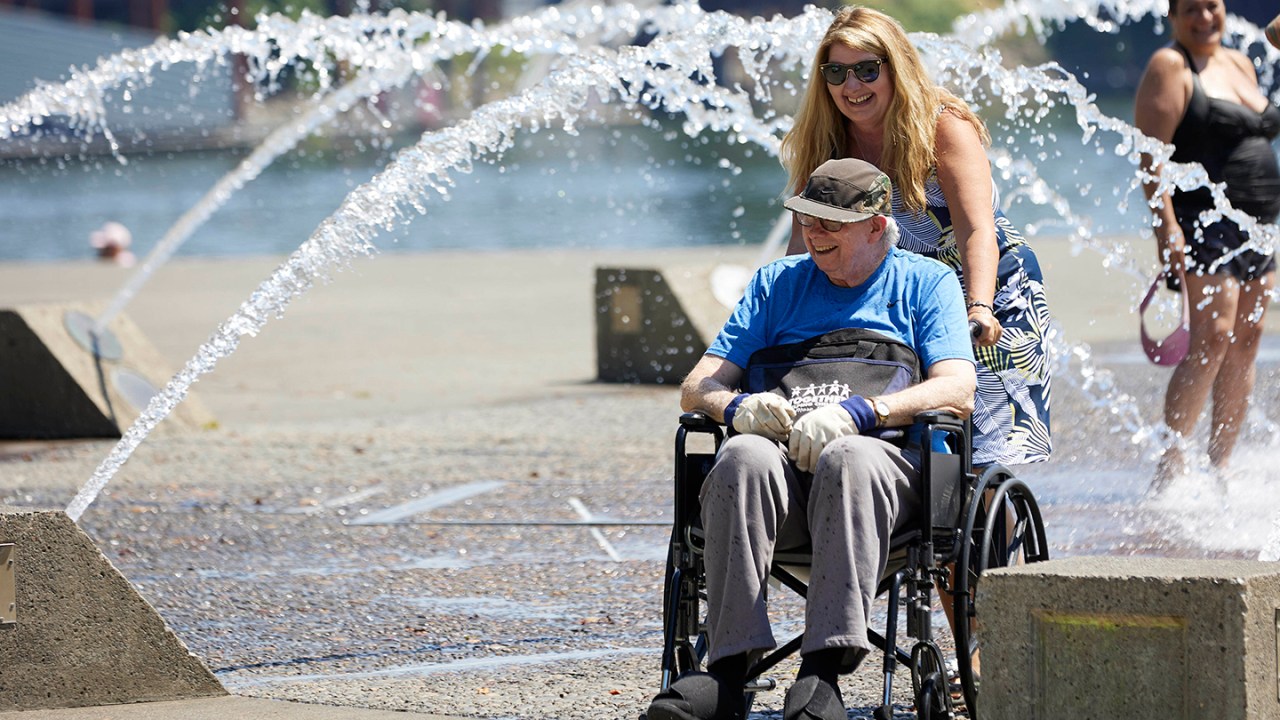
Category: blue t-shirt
<point>909,297</point>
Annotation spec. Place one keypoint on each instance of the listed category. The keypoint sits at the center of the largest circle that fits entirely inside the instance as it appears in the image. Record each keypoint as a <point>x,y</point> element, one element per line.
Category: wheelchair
<point>968,522</point>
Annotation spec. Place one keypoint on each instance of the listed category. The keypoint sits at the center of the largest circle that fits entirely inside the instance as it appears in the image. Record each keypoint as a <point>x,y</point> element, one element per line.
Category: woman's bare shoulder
<point>1167,79</point>
<point>1167,60</point>
<point>952,127</point>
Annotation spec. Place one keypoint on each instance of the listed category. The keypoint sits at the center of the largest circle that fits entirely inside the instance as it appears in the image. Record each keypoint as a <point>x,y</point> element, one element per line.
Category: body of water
<point>633,186</point>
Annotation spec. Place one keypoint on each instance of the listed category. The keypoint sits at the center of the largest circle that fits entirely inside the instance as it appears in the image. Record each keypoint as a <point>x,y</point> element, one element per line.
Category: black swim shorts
<point>1218,240</point>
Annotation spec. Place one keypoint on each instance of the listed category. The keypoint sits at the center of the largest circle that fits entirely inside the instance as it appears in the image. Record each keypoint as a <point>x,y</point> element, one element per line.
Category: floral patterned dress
<point>1011,410</point>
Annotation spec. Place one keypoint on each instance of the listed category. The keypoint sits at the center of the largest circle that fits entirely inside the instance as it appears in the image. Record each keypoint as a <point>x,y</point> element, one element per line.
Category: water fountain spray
<point>673,73</point>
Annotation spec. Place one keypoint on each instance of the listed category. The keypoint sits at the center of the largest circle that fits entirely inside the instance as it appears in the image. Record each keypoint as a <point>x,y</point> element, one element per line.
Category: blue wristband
<point>732,408</point>
<point>864,418</point>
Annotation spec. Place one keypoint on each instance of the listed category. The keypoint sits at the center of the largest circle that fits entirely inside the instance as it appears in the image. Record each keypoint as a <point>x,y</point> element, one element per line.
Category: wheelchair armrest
<point>701,421</point>
<point>698,421</point>
<point>939,417</point>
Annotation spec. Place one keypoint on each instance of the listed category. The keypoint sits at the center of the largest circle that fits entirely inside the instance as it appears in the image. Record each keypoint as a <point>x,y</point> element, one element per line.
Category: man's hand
<point>815,431</point>
<point>765,414</point>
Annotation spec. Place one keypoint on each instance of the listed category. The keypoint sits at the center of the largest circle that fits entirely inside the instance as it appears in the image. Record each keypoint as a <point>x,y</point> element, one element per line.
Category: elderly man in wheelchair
<point>823,362</point>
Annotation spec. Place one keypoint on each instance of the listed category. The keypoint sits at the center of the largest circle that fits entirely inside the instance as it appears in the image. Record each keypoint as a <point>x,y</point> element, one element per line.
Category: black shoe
<point>812,699</point>
<point>698,696</point>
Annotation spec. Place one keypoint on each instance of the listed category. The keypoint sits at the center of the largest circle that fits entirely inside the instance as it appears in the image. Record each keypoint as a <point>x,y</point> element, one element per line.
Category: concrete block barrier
<point>74,632</point>
<point>59,384</point>
<point>653,325</point>
<point>1131,639</point>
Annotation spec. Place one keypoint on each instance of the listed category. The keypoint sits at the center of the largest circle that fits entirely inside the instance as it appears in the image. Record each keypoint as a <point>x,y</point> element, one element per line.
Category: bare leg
<point>948,607</point>
<point>1213,300</point>
<point>1234,383</point>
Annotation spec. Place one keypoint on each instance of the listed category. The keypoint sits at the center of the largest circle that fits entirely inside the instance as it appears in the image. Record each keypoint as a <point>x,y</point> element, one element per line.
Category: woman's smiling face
<point>859,101</point>
<point>1198,24</point>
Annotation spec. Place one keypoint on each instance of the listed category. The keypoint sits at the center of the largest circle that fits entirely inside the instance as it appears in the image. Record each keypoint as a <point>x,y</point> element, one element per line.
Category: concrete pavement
<point>220,708</point>
<point>506,336</point>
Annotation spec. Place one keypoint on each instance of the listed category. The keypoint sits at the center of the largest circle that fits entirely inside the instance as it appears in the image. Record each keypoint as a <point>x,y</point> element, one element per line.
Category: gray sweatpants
<point>755,501</point>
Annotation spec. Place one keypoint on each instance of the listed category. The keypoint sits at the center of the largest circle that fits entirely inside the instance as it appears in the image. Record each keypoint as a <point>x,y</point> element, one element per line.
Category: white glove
<point>765,414</point>
<point>815,431</point>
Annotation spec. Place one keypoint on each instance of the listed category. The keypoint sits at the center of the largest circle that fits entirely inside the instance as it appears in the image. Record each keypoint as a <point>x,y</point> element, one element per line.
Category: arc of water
<point>983,27</point>
<point>82,97</point>
<point>1096,385</point>
<point>674,64</point>
<point>1029,185</point>
<point>527,33</point>
<point>1039,16</point>
<point>1271,551</point>
<point>277,42</point>
<point>362,41</point>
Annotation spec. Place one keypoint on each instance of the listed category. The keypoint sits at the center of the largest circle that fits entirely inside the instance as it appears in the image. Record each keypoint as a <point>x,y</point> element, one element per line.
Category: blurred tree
<point>933,16</point>
<point>937,16</point>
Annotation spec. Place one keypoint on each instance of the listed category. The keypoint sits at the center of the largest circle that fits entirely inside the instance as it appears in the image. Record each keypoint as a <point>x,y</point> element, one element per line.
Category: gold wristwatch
<point>882,411</point>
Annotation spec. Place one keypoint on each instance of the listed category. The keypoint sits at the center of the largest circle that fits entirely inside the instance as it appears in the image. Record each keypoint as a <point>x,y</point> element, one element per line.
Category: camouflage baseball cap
<point>844,190</point>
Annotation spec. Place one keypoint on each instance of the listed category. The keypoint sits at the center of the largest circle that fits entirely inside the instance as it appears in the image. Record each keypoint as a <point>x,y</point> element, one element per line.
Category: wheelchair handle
<point>938,417</point>
<point>975,330</point>
<point>698,421</point>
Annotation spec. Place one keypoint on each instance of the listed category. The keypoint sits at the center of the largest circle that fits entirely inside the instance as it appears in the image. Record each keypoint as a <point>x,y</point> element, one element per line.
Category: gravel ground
<point>280,548</point>
<point>249,546</point>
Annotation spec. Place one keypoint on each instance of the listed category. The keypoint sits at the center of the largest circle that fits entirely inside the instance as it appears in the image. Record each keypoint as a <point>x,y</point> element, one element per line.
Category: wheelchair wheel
<point>928,683</point>
<point>929,700</point>
<point>1002,528</point>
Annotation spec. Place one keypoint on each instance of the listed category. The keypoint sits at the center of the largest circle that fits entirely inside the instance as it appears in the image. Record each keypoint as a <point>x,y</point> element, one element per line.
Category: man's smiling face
<point>849,255</point>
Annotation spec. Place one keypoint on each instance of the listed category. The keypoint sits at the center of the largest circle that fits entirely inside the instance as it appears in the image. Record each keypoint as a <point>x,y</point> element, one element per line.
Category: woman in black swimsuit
<point>1204,99</point>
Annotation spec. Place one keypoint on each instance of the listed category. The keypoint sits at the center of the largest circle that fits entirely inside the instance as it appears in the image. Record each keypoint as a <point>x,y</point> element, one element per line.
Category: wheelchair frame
<point>970,522</point>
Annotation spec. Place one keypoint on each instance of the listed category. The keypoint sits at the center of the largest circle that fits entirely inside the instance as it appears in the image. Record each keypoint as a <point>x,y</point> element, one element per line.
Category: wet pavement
<point>444,563</point>
<point>437,565</point>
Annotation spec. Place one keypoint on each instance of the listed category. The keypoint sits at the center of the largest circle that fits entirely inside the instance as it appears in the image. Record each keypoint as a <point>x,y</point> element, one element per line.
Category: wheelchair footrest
<point>760,685</point>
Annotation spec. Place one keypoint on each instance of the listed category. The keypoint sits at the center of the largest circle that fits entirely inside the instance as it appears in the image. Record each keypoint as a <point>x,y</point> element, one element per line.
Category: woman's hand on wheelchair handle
<point>984,328</point>
<point>765,414</point>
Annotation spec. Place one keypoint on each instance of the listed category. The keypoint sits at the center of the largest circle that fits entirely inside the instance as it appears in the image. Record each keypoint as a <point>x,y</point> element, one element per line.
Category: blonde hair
<point>911,123</point>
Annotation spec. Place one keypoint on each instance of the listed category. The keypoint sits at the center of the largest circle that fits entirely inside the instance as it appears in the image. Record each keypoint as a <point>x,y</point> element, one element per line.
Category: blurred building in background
<point>42,47</point>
